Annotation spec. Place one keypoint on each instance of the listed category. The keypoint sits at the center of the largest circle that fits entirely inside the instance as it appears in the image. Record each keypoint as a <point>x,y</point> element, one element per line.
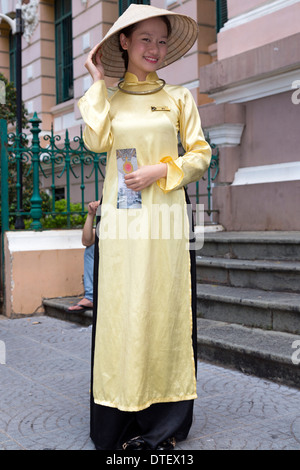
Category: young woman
<point>144,345</point>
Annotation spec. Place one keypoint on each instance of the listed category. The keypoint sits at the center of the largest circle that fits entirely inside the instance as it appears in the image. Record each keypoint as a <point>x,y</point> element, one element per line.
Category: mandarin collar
<point>132,79</point>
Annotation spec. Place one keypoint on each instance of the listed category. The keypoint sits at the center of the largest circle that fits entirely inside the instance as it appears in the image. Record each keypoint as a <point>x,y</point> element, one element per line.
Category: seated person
<point>88,240</point>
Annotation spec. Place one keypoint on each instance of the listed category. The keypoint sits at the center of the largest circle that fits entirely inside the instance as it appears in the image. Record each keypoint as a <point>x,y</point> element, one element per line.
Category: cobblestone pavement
<point>44,392</point>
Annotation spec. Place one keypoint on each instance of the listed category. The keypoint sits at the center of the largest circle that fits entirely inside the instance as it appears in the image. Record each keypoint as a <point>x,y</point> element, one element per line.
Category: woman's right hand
<point>92,208</point>
<point>96,68</point>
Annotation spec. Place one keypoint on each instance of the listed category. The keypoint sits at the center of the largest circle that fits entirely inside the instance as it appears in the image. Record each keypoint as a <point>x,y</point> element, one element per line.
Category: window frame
<point>64,51</point>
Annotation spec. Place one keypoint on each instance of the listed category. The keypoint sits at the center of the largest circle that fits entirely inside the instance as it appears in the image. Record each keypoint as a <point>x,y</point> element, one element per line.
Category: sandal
<point>137,443</point>
<point>168,444</point>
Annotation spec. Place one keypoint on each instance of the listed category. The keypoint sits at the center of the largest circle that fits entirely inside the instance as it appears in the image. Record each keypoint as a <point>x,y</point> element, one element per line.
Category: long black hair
<point>128,32</point>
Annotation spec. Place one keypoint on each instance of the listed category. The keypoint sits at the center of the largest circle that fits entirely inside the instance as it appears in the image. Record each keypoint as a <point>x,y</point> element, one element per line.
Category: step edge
<point>247,332</point>
<point>259,353</point>
<point>231,299</point>
<point>250,265</point>
<point>272,237</point>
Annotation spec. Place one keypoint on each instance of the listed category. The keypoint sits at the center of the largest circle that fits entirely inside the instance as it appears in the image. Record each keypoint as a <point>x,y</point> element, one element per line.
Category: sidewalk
<point>44,391</point>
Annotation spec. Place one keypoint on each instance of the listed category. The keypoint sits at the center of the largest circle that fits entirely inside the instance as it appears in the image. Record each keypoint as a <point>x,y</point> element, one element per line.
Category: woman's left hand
<point>145,176</point>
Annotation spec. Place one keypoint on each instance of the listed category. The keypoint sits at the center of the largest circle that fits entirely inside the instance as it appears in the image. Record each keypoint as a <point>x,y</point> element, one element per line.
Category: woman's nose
<point>154,48</point>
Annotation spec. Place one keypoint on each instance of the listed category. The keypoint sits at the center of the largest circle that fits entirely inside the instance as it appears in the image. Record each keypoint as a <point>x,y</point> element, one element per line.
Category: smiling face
<point>146,47</point>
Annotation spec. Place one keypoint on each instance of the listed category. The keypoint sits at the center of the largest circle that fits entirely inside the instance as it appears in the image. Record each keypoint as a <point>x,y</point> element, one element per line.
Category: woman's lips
<point>152,60</point>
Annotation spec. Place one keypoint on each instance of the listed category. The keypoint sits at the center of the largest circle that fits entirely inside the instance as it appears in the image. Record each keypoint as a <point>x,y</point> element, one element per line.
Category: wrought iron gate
<point>51,158</point>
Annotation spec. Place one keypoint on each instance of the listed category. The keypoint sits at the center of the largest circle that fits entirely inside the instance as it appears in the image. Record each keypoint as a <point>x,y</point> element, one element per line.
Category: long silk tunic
<point>143,348</point>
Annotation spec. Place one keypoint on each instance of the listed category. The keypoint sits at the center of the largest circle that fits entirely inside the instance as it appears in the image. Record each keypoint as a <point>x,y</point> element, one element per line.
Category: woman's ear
<point>123,41</point>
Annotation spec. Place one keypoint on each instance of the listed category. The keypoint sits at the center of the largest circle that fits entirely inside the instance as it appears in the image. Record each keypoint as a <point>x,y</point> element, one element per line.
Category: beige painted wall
<point>41,265</point>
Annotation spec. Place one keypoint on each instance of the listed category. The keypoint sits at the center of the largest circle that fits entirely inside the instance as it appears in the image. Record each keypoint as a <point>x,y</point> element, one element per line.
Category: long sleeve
<point>194,163</point>
<point>94,108</point>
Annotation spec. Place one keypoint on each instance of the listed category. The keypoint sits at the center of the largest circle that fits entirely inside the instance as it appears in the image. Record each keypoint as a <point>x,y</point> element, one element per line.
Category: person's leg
<point>87,301</point>
<point>88,272</point>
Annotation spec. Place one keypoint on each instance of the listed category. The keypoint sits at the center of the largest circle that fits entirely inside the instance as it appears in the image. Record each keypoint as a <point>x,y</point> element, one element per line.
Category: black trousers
<point>110,427</point>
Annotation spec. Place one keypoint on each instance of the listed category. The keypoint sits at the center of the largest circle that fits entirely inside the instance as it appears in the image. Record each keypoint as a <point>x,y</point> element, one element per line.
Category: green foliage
<point>12,191</point>
<point>60,219</point>
<point>27,194</point>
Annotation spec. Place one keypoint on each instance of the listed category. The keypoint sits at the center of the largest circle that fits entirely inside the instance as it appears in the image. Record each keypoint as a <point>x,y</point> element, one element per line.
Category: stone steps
<point>252,245</point>
<point>248,302</point>
<point>275,275</point>
<point>271,355</point>
<point>278,311</point>
<point>250,278</point>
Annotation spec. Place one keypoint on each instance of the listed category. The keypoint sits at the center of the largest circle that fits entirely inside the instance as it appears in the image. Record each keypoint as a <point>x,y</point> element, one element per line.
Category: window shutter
<point>222,14</point>
<point>63,50</point>
<point>124,4</point>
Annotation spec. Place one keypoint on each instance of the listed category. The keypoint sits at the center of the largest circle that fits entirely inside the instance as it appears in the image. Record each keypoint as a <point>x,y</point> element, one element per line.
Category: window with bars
<point>63,50</point>
<point>124,4</point>
<point>222,14</point>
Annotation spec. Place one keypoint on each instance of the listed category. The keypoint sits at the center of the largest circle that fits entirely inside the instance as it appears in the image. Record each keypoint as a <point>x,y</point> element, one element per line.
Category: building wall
<point>255,23</point>
<point>253,117</point>
<point>185,72</point>
<point>271,134</point>
<point>4,47</point>
<point>89,26</point>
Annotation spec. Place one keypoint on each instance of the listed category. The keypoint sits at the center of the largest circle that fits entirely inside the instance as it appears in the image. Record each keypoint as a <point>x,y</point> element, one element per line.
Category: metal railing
<point>51,158</point>
<point>212,173</point>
